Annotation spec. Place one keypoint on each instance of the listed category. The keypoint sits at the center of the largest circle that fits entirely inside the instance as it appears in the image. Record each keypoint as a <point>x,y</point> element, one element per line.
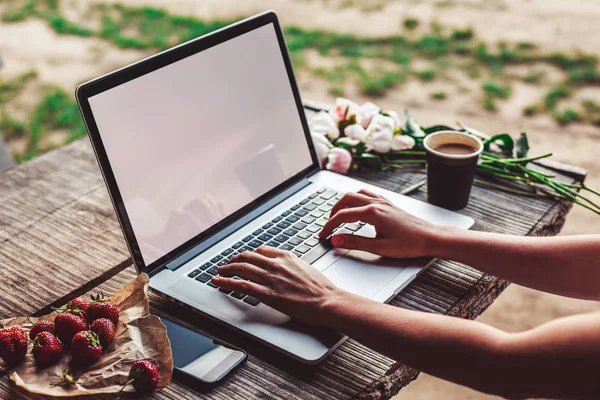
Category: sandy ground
<point>552,24</point>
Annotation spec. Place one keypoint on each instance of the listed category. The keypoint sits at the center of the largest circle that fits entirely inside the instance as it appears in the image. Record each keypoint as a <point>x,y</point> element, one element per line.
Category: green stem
<point>589,189</point>
<point>506,189</point>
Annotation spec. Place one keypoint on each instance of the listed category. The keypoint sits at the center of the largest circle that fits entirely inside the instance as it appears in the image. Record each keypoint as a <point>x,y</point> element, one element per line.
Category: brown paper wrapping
<point>139,335</point>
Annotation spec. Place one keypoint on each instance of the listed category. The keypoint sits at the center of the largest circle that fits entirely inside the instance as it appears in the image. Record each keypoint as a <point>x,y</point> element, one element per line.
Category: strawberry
<point>41,326</point>
<point>86,347</point>
<point>103,309</point>
<point>143,375</point>
<point>105,330</point>
<point>76,306</point>
<point>66,325</point>
<point>13,344</point>
<point>47,349</point>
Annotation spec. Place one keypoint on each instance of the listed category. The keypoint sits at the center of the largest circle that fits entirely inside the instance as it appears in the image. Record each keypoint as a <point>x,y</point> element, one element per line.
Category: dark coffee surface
<point>455,148</point>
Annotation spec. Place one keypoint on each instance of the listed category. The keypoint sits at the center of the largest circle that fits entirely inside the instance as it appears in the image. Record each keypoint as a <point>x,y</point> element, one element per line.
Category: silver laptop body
<point>198,172</point>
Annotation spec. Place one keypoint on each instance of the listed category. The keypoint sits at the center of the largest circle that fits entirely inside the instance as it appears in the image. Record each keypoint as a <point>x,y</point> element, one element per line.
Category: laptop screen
<point>193,142</point>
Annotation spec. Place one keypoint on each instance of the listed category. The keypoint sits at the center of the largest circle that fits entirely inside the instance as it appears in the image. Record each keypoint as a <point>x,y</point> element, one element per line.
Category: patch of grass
<point>10,89</point>
<point>461,48</point>
<point>532,109</point>
<point>496,90</point>
<point>57,110</point>
<point>432,46</point>
<point>472,70</point>
<point>377,84</point>
<point>590,106</point>
<point>587,74</point>
<point>523,45</point>
<point>532,78</point>
<point>426,74</point>
<point>555,94</point>
<point>17,14</point>
<point>566,116</point>
<point>596,120</point>
<point>11,128</point>
<point>440,95</point>
<point>489,103</point>
<point>462,34</point>
<point>65,27</point>
<point>410,23</point>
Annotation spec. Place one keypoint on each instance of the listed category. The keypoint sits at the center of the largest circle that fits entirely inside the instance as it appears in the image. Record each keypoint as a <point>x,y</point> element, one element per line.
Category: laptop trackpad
<point>205,297</point>
<point>363,273</point>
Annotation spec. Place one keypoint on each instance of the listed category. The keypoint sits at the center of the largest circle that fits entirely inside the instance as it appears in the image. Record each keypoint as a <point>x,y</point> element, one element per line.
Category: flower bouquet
<point>352,137</point>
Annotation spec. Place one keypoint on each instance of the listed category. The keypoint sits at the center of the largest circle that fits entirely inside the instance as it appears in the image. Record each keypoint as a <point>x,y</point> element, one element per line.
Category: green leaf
<point>437,128</point>
<point>370,161</point>
<point>411,127</point>
<point>522,145</point>
<point>504,141</point>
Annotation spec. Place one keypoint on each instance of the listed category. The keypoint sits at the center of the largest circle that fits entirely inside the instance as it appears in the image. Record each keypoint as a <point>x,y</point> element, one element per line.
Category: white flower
<point>356,131</point>
<point>344,108</point>
<point>347,141</point>
<point>324,123</point>
<point>380,133</point>
<point>366,113</point>
<point>394,115</point>
<point>322,146</point>
<point>339,161</point>
<point>402,142</point>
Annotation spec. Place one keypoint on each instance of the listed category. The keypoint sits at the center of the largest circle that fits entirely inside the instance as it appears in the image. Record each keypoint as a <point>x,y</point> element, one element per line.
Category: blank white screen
<point>193,142</point>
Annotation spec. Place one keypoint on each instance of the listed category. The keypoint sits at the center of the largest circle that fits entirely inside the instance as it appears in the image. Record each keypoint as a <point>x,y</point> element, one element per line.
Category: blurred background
<point>497,65</point>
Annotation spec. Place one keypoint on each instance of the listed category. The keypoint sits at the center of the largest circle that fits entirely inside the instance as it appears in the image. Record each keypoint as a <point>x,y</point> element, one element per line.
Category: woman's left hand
<point>281,280</point>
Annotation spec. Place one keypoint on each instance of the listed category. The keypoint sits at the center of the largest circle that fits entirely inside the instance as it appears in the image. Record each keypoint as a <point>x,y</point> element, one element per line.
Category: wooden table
<point>59,239</point>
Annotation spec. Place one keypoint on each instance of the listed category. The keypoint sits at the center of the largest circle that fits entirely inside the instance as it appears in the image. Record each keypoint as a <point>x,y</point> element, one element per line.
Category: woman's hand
<point>281,280</point>
<point>399,234</point>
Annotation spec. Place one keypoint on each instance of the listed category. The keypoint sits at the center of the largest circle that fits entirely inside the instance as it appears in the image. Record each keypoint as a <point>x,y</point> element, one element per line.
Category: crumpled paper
<point>139,335</point>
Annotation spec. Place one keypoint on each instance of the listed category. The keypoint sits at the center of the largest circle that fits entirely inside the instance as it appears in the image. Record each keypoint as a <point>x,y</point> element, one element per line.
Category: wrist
<point>333,307</point>
<point>439,241</point>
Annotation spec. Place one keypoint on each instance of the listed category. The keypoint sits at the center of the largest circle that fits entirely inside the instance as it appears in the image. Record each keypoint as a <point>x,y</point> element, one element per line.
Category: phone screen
<point>199,355</point>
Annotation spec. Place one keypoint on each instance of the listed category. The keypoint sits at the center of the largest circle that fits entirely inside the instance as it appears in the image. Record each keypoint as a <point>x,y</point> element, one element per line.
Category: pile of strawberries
<point>86,327</point>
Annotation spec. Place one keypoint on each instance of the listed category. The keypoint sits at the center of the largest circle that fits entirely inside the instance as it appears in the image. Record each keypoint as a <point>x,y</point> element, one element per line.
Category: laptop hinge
<point>234,226</point>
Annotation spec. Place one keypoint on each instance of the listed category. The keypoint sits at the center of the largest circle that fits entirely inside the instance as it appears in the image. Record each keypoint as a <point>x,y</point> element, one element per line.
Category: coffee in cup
<point>451,163</point>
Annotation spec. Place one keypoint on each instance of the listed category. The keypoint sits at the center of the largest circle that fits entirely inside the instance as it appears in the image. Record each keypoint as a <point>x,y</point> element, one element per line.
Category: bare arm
<point>557,360</point>
<point>567,266</point>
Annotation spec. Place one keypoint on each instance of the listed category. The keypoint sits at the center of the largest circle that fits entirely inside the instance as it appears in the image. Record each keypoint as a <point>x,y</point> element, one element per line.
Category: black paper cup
<point>450,176</point>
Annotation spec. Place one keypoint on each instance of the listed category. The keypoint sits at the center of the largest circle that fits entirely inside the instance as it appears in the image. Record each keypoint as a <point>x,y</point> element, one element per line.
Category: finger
<point>270,252</point>
<point>353,242</point>
<point>347,215</point>
<point>350,200</point>
<point>253,257</point>
<point>369,193</point>
<point>244,270</point>
<point>237,285</point>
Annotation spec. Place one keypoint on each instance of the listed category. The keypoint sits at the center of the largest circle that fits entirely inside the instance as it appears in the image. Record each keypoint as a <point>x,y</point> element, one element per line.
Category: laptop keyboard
<point>295,230</point>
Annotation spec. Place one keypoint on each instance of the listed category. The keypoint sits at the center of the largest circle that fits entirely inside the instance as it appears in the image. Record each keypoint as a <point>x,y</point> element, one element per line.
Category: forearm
<point>567,265</point>
<point>550,361</point>
<point>464,352</point>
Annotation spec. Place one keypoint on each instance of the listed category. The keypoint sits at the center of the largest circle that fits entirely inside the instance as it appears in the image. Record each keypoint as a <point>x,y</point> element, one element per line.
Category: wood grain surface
<point>59,239</point>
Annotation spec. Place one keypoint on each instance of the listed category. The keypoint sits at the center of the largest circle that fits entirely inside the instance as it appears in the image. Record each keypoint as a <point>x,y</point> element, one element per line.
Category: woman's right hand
<point>399,234</point>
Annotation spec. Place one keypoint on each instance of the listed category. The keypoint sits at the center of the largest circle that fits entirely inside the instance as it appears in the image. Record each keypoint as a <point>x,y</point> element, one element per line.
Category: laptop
<point>206,152</point>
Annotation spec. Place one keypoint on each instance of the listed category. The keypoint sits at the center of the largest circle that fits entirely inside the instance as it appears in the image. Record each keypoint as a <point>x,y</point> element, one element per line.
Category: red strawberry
<point>76,306</point>
<point>41,326</point>
<point>86,347</point>
<point>13,344</point>
<point>66,325</point>
<point>103,309</point>
<point>143,375</point>
<point>47,349</point>
<point>105,330</point>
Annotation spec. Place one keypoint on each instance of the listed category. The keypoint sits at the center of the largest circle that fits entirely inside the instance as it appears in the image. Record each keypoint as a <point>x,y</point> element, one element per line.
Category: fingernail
<point>337,241</point>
